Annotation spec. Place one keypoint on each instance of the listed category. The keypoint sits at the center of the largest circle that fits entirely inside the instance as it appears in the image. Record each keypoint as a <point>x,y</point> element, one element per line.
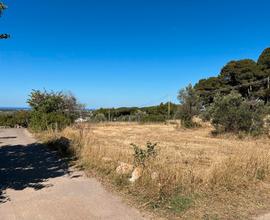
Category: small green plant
<point>179,203</point>
<point>261,174</point>
<point>142,155</point>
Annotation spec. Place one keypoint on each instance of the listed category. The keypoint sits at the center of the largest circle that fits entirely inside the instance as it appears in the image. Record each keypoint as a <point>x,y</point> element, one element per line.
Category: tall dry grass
<point>196,176</point>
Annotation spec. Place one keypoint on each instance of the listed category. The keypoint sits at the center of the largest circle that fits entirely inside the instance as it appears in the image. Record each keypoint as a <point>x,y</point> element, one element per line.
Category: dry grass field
<point>197,176</point>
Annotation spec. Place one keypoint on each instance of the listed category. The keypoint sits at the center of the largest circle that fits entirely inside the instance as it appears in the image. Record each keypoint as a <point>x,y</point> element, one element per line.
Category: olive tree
<point>233,113</point>
<point>190,105</point>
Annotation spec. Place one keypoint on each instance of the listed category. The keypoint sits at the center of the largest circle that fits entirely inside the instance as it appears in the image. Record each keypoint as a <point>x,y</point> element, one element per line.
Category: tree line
<point>237,100</point>
<point>248,77</point>
<point>158,113</point>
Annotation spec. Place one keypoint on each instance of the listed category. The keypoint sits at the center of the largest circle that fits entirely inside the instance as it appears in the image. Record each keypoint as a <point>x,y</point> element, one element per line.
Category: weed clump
<point>142,155</point>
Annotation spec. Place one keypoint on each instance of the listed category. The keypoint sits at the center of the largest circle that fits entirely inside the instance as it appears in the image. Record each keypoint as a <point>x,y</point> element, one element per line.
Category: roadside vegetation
<point>188,174</point>
<point>207,157</point>
<point>52,110</point>
<point>14,118</point>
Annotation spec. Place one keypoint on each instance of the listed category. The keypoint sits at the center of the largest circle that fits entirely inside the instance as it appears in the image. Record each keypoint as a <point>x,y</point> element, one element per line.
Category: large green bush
<point>52,110</point>
<point>233,113</point>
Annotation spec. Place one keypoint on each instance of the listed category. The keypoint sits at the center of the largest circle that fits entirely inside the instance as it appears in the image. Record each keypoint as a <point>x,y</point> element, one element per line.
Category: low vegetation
<point>14,118</point>
<point>188,174</point>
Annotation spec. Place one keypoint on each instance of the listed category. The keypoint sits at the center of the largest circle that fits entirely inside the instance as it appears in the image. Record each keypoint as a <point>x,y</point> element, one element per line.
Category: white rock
<point>154,176</point>
<point>136,174</point>
<point>124,168</point>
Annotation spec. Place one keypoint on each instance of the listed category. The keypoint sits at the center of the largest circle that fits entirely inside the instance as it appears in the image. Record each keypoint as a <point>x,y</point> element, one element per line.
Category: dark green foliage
<point>245,76</point>
<point>190,106</point>
<point>157,113</point>
<point>243,73</point>
<point>264,59</point>
<point>244,109</point>
<point>233,113</point>
<point>142,155</point>
<point>205,88</point>
<point>16,118</point>
<point>52,110</point>
<point>240,72</point>
<point>54,120</point>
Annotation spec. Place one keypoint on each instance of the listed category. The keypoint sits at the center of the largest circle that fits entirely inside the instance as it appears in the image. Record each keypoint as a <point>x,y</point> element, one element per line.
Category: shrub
<point>42,121</point>
<point>52,110</point>
<point>100,117</point>
<point>232,113</point>
<point>190,106</point>
<point>142,155</point>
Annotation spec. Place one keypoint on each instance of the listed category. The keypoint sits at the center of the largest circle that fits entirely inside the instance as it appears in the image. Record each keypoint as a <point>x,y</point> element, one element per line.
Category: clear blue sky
<point>113,53</point>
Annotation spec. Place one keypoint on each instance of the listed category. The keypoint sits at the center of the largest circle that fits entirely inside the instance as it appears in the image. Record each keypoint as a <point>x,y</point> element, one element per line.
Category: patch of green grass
<point>180,203</point>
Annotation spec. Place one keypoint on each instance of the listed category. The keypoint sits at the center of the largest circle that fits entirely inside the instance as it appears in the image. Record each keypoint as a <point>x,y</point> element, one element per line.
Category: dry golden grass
<point>199,176</point>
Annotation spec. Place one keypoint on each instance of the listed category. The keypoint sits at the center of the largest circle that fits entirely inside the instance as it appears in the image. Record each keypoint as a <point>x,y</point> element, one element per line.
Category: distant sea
<point>26,109</point>
<point>14,108</point>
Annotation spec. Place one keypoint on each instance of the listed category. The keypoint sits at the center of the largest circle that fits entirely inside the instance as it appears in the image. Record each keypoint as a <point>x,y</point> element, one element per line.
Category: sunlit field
<point>197,176</point>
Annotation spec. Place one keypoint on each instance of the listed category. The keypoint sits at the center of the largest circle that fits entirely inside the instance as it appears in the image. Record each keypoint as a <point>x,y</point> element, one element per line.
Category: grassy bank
<point>193,176</point>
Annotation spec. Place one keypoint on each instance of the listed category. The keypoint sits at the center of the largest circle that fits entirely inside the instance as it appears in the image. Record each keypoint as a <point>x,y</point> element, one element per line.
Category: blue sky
<point>112,53</point>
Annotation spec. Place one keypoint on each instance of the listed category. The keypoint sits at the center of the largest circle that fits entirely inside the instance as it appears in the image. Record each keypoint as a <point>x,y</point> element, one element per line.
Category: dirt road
<point>36,184</point>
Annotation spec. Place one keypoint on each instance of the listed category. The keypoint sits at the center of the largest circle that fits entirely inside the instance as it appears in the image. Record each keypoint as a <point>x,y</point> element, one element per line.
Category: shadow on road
<point>9,137</point>
<point>28,166</point>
